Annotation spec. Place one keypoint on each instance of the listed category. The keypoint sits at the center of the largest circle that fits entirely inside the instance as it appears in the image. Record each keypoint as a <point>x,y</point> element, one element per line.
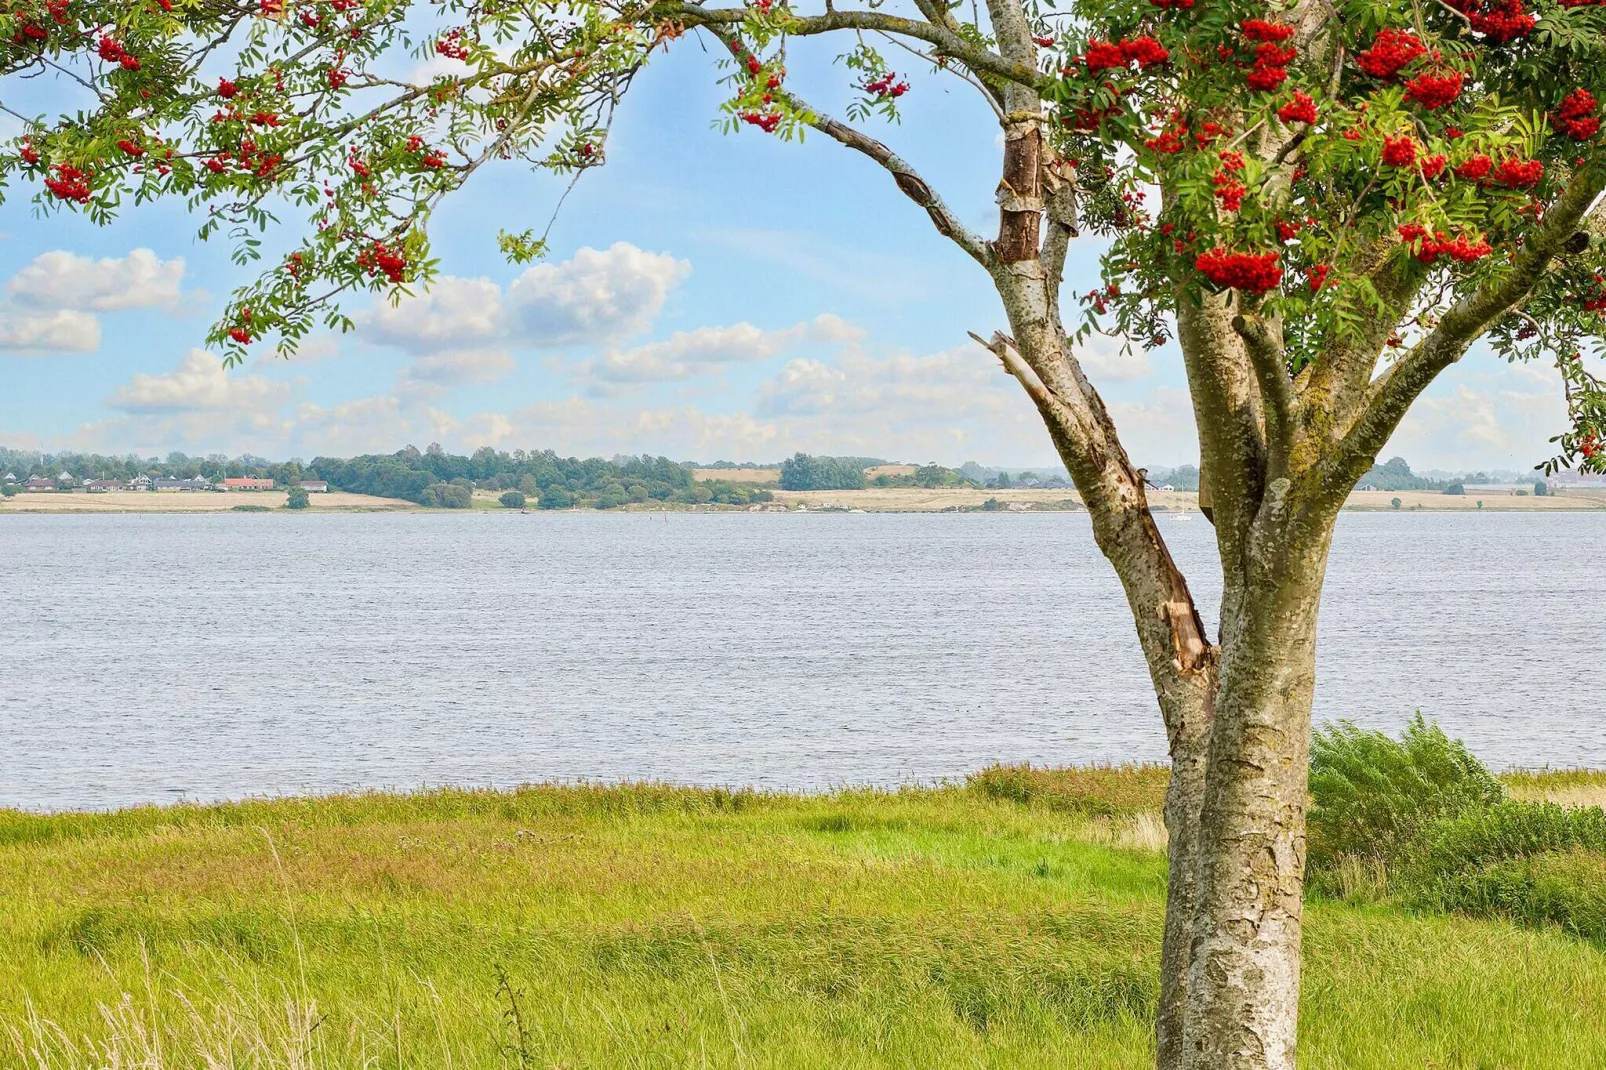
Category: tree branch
<point>1391,394</point>
<point>1263,341</point>
<point>903,174</point>
<point>943,40</point>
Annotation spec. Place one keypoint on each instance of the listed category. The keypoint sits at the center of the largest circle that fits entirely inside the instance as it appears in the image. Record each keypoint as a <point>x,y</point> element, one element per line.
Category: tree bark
<point>1243,976</point>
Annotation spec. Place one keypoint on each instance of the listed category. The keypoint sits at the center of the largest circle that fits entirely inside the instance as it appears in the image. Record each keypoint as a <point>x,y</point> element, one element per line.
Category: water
<point>158,657</point>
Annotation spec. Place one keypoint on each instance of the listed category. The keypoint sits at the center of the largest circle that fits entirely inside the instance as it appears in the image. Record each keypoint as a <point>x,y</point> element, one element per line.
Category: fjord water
<point>149,658</point>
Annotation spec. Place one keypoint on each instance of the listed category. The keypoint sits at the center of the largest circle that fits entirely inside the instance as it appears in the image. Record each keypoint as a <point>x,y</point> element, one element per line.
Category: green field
<point>574,927</point>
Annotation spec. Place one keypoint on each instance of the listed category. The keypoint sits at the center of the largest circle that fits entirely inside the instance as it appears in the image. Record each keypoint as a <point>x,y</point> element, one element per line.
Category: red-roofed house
<point>247,483</point>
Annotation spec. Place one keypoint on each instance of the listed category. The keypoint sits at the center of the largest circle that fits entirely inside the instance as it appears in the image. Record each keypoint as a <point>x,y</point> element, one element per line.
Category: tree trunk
<point>1184,799</point>
<point>1243,974</point>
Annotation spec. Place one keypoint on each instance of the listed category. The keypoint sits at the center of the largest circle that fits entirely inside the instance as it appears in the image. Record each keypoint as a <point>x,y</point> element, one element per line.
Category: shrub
<point>1422,819</point>
<point>512,500</point>
<point>298,499</point>
<point>1371,795</point>
<point>556,497</point>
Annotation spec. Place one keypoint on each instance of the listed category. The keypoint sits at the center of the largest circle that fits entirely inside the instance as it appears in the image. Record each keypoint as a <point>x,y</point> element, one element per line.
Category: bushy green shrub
<point>1509,830</point>
<point>1566,889</point>
<point>1371,795</point>
<point>1422,820</point>
<point>512,499</point>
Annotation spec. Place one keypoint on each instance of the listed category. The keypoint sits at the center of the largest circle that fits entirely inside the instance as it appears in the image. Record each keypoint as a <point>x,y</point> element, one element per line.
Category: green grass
<point>660,927</point>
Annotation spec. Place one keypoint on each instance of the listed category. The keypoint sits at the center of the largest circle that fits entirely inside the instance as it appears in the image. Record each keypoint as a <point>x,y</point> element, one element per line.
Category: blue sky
<point>707,297</point>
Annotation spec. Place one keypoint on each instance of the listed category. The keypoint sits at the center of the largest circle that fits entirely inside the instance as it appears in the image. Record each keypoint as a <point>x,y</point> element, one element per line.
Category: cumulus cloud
<point>50,305</point>
<point>597,296</point>
<point>199,382</point>
<point>698,352</point>
<point>452,312</point>
<point>57,330</point>
<point>61,279</point>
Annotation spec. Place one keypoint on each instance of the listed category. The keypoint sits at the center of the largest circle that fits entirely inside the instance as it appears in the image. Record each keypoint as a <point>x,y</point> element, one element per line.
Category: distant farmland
<point>738,475</point>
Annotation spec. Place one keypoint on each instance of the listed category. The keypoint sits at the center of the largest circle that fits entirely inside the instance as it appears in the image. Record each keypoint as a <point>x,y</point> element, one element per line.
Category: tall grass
<point>652,927</point>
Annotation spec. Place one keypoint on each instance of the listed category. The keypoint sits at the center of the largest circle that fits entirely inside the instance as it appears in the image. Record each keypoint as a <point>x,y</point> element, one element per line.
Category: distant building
<point>140,482</point>
<point>314,486</point>
<point>102,486</point>
<point>64,480</point>
<point>1167,486</point>
<point>193,483</point>
<point>247,483</point>
<point>9,477</point>
<point>39,483</point>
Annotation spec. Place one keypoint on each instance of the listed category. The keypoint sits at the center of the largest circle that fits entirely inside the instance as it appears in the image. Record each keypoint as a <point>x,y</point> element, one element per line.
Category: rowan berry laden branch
<point>1341,168</point>
<point>249,111</point>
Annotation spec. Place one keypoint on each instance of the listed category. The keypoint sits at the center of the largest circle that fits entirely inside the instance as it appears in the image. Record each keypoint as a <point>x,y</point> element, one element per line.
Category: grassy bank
<point>1012,923</point>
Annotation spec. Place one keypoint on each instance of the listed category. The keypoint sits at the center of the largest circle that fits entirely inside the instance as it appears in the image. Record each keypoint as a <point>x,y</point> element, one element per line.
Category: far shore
<point>869,500</point>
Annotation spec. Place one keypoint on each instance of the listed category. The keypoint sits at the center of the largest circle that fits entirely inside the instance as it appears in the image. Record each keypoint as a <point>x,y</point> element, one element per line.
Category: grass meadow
<point>1011,922</point>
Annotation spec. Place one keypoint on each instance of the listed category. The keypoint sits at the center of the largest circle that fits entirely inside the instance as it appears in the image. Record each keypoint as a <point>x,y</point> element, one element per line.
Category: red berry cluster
<point>1517,174</point>
<point>1302,109</point>
<point>451,45</point>
<point>1595,301</point>
<point>131,147</point>
<point>1250,272</point>
<point>113,52</point>
<point>1180,5</point>
<point>1475,169</point>
<point>1145,51</point>
<point>888,85</point>
<point>28,30</point>
<point>1505,20</point>
<point>1434,91</point>
<point>1399,151</point>
<point>1271,58</point>
<point>1576,117</point>
<point>1433,166</point>
<point>1043,42</point>
<point>1229,187</point>
<point>1460,249</point>
<point>1317,276</point>
<point>765,121</point>
<point>70,184</point>
<point>1391,52</point>
<point>1589,446</point>
<point>28,152</point>
<point>1259,30</point>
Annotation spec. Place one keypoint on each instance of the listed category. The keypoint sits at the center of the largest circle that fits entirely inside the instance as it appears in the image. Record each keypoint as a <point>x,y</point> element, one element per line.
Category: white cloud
<point>452,312</point>
<point>1483,413</point>
<point>596,296</point>
<point>58,330</point>
<point>60,279</point>
<point>199,382</point>
<point>1103,361</point>
<point>698,352</point>
<point>459,367</point>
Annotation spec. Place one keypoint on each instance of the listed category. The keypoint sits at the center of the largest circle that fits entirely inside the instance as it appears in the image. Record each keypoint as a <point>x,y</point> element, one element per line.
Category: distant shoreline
<point>869,500</point>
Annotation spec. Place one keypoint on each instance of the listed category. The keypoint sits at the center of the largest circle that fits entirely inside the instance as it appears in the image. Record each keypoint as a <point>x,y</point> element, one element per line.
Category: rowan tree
<point>1325,203</point>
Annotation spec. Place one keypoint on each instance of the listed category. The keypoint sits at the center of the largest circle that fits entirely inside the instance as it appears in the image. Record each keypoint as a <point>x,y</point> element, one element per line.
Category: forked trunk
<point>1243,972</point>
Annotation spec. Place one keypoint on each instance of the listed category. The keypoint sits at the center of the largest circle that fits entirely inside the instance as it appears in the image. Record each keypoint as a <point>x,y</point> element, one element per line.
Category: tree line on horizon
<point>423,476</point>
